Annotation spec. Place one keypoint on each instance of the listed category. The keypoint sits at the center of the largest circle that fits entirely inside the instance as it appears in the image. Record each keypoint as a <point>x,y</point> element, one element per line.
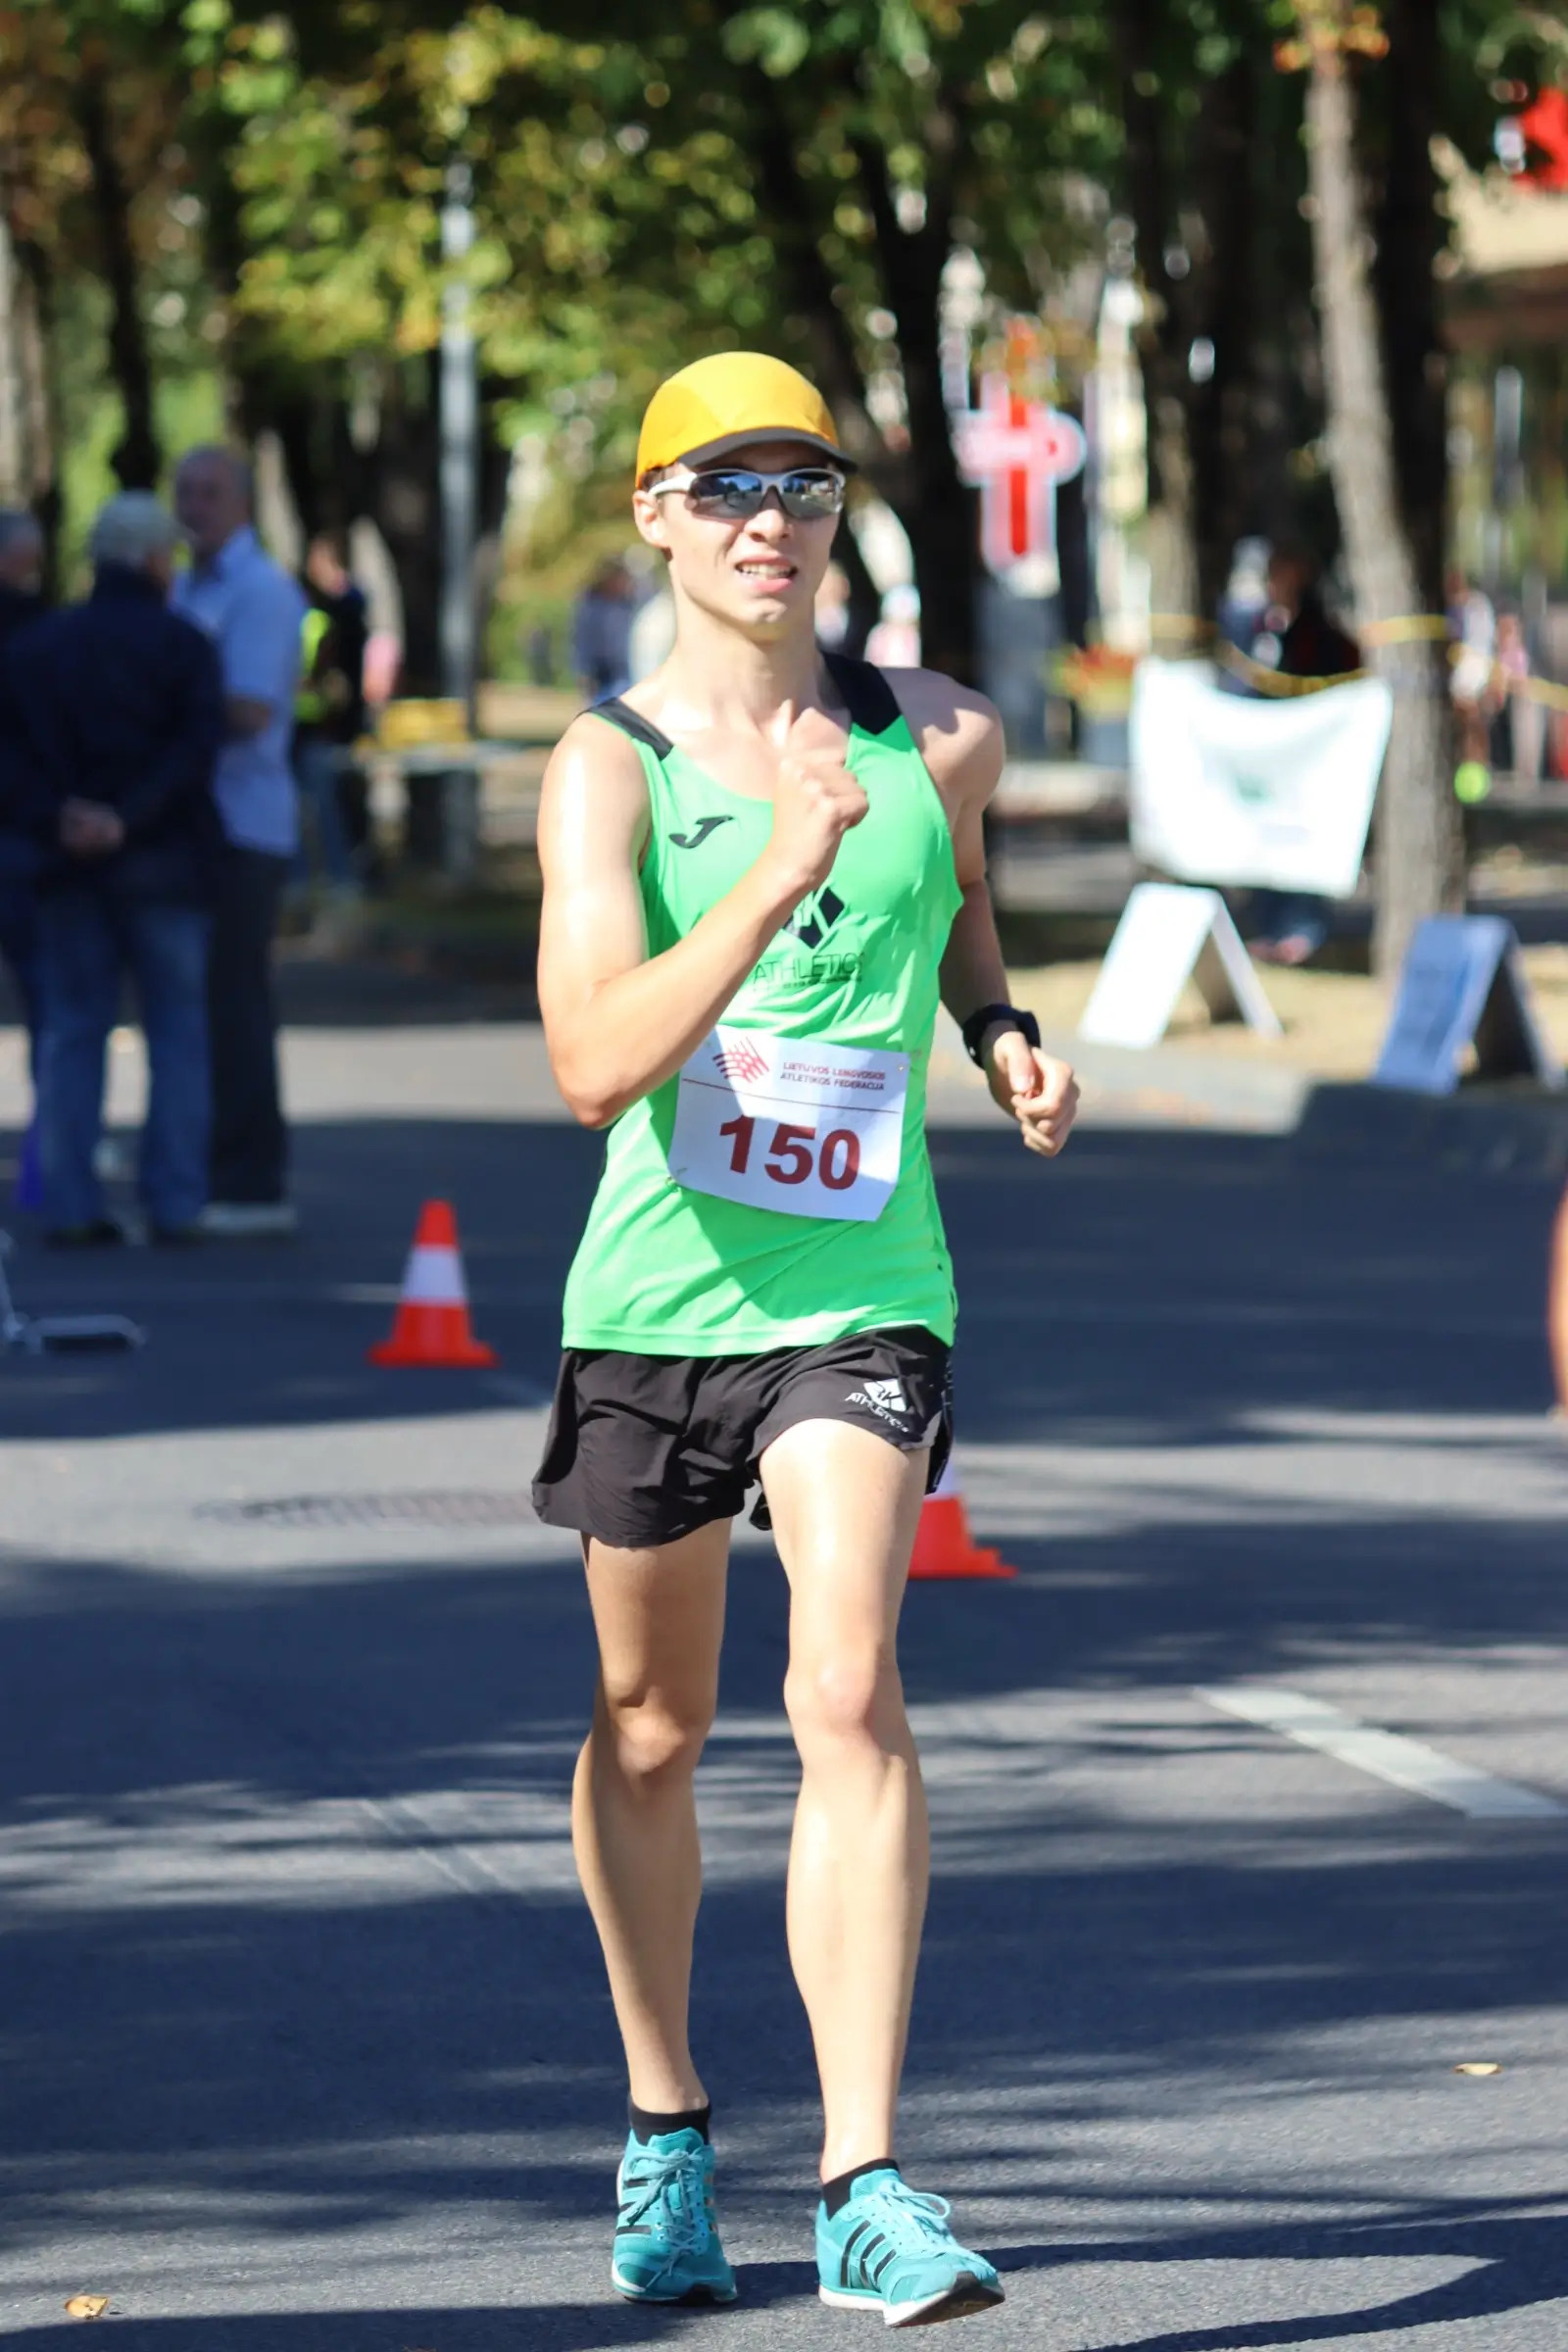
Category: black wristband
<point>994,1016</point>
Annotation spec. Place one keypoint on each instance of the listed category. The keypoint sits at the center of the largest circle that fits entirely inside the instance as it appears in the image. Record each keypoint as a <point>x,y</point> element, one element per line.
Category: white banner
<point>1273,794</point>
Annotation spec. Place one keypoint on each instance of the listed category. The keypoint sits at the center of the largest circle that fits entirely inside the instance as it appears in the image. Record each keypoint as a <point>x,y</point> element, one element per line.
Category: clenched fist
<point>1034,1087</point>
<point>815,801</point>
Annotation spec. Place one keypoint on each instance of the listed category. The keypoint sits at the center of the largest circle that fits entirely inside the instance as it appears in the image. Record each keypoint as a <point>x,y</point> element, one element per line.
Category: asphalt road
<point>303,2039</point>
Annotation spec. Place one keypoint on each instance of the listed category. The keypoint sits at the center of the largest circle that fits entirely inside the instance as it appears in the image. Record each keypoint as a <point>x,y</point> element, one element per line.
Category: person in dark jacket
<point>21,602</point>
<point>121,720</point>
<point>329,707</point>
<point>1300,641</point>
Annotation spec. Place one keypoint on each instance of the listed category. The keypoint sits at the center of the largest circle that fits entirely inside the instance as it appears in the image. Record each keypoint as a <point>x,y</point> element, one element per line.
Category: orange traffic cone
<point>431,1325</point>
<point>942,1545</point>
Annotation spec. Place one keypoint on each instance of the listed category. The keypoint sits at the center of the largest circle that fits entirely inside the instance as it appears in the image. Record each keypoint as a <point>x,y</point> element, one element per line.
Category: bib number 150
<point>793,1153</point>
<point>803,1128</point>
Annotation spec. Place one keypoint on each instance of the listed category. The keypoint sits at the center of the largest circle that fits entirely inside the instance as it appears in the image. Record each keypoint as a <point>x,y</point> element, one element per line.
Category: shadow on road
<point>520,2327</point>
<point>293,1931</point>
<point>1151,1286</point>
<point>293,1946</point>
<point>1521,2261</point>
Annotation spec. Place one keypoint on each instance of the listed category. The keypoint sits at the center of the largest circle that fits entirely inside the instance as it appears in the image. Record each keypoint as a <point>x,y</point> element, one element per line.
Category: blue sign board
<point>1462,984</point>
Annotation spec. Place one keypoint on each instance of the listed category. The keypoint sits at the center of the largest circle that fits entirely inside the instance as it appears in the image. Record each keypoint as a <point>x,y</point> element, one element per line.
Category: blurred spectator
<point>1518,725</point>
<point>1299,640</point>
<point>21,602</point>
<point>1244,604</point>
<point>601,632</point>
<point>20,569</point>
<point>1473,625</point>
<point>329,707</point>
<point>895,642</point>
<point>121,717</point>
<point>833,609</point>
<point>652,632</point>
<point>541,655</point>
<point>253,610</point>
<point>383,663</point>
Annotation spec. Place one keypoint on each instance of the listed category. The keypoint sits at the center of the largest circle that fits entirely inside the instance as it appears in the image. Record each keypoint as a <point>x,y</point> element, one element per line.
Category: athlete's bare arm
<point>617,1021</point>
<point>959,735</point>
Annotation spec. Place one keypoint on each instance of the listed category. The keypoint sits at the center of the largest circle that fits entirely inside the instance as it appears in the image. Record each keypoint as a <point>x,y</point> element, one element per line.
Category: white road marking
<point>1387,1756</point>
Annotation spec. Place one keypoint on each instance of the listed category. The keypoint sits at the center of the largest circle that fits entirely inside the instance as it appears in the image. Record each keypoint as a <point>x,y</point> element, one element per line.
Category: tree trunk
<point>920,484</point>
<point>1162,340</point>
<point>1410,233</point>
<point>1170,535</point>
<point>1220,412</point>
<point>933,505</point>
<point>40,400</point>
<point>13,462</point>
<point>136,460</point>
<point>405,504</point>
<point>866,598</point>
<point>1419,850</point>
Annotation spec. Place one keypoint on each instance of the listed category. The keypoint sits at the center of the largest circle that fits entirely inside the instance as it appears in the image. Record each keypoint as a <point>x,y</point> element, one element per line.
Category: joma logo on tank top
<point>698,833</point>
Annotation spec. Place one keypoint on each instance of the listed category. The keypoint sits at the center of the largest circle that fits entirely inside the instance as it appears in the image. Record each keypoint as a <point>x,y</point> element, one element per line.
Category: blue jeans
<point>1277,914</point>
<point>86,939</point>
<point>18,944</point>
<point>316,771</point>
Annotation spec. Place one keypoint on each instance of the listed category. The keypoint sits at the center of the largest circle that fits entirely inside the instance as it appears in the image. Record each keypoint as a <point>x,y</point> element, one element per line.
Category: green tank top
<point>664,1270</point>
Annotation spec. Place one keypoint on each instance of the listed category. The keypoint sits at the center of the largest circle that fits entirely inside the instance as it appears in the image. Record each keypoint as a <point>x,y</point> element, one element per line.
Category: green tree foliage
<point>259,188</point>
<point>653,181</point>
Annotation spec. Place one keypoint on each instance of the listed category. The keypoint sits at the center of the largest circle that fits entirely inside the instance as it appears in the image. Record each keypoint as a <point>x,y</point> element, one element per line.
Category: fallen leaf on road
<point>86,2307</point>
<point>1478,2066</point>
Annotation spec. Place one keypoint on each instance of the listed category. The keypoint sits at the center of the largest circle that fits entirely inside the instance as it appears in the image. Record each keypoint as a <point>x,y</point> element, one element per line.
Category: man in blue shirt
<point>252,610</point>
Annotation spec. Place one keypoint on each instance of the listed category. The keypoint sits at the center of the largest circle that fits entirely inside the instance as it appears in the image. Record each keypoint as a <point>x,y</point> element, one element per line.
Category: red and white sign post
<point>1016,451</point>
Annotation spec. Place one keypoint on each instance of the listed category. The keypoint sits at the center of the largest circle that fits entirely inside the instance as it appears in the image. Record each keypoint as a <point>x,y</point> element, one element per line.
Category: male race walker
<point>763,866</point>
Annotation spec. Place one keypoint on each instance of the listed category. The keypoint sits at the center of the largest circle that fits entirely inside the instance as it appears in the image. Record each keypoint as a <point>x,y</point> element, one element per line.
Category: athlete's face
<point>762,574</point>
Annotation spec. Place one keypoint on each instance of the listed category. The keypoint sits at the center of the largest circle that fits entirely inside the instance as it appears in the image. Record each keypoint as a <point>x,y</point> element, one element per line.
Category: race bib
<point>808,1127</point>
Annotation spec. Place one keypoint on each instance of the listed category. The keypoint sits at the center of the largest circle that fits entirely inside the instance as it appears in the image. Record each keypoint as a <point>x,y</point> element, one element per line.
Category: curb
<point>1482,1130</point>
<point>1489,1129</point>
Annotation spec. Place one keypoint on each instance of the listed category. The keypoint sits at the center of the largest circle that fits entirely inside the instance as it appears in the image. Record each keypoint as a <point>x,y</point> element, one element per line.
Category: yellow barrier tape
<point>411,724</point>
<point>1269,681</point>
<point>1405,628</point>
<point>1180,625</point>
<point>1541,690</point>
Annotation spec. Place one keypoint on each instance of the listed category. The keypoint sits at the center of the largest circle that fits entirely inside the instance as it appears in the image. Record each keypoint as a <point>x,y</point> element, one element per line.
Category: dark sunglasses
<point>735,493</point>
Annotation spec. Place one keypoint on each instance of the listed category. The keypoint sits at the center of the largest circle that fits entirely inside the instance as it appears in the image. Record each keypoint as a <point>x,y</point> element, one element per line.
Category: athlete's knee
<point>654,1738</point>
<point>849,1693</point>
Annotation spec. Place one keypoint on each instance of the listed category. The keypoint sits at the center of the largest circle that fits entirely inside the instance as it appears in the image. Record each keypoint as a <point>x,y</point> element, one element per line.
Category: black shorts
<point>645,1448</point>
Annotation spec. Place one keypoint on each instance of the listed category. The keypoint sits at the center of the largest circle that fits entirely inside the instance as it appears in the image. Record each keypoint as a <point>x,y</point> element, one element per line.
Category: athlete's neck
<point>716,677</point>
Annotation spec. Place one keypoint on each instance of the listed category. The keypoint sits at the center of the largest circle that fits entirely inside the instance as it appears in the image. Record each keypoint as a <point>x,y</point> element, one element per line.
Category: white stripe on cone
<point>433,1277</point>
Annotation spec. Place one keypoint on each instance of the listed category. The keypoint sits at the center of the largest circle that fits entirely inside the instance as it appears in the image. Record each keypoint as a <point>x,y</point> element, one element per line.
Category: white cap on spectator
<point>132,527</point>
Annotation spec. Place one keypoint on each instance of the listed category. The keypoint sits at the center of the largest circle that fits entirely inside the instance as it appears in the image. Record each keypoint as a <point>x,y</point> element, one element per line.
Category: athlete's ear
<point>648,513</point>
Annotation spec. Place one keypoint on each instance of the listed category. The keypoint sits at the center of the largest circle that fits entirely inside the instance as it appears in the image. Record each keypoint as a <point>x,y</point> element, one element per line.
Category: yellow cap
<point>729,401</point>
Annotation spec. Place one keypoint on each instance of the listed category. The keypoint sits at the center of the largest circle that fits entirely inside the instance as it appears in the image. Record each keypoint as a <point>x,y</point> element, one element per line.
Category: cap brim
<point>728,444</point>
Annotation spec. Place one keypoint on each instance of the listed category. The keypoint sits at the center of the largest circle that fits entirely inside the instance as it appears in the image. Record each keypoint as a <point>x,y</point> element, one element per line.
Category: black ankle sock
<point>646,2124</point>
<point>836,2192</point>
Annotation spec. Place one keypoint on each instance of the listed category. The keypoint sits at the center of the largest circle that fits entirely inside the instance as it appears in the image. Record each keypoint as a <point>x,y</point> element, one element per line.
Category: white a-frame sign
<point>1170,934</point>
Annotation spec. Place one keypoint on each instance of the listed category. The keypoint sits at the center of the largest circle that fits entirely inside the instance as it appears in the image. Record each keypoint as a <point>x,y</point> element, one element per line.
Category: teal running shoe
<point>666,2232</point>
<point>891,2250</point>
